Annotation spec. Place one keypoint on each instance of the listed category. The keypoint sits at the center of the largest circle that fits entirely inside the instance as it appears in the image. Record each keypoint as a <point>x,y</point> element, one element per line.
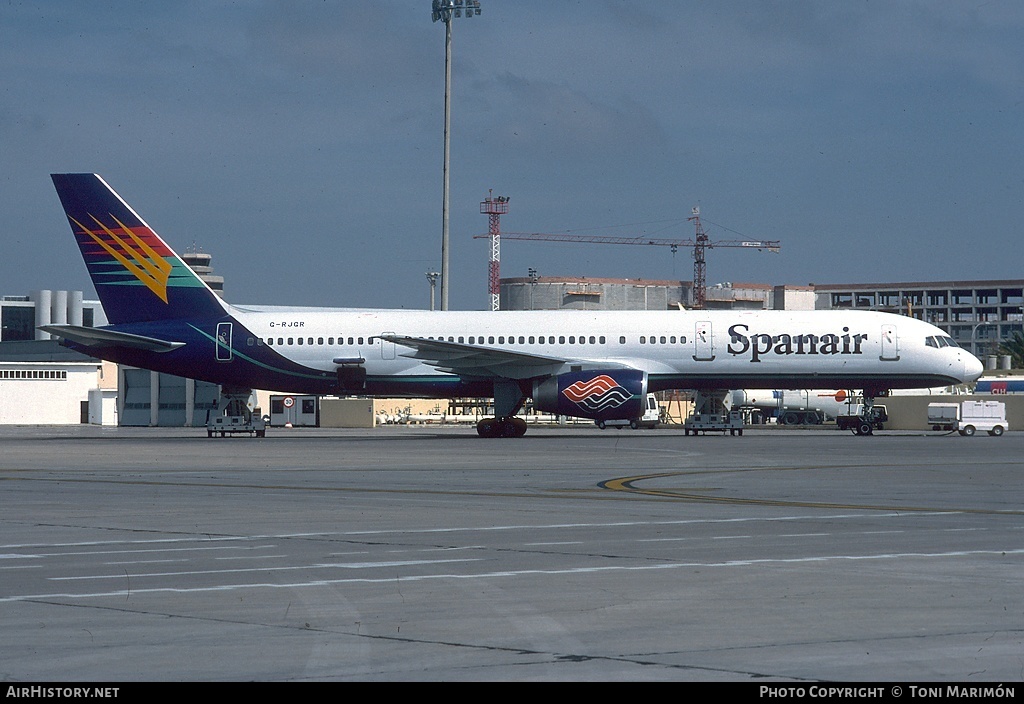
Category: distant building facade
<point>20,316</point>
<point>42,383</point>
<point>586,293</point>
<point>977,314</point>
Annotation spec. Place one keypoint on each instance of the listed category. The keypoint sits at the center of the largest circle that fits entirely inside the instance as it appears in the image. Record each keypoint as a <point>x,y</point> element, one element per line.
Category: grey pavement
<point>572,554</point>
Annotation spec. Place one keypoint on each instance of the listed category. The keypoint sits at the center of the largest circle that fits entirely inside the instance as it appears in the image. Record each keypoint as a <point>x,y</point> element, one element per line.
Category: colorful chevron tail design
<point>597,395</point>
<point>137,276</point>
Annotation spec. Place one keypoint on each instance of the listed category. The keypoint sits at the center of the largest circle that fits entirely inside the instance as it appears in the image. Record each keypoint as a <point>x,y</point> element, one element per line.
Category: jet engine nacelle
<point>612,394</point>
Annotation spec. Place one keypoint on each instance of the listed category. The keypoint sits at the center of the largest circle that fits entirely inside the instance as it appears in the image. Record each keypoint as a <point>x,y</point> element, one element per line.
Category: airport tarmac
<point>572,554</point>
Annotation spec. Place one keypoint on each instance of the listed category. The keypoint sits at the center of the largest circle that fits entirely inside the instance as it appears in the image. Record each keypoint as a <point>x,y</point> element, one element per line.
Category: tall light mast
<point>494,208</point>
<point>444,10</point>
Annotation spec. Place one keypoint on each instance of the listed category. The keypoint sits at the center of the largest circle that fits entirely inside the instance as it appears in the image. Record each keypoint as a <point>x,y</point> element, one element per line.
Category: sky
<point>300,143</point>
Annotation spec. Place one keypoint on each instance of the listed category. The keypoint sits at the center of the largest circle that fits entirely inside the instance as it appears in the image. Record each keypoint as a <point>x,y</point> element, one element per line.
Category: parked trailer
<point>969,417</point>
<point>999,385</point>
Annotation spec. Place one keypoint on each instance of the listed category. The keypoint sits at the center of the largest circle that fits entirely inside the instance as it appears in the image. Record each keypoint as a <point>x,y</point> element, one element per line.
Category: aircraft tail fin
<point>137,276</point>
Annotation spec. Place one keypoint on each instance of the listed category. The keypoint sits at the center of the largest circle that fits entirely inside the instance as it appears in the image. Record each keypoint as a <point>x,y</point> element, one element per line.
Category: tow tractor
<point>864,417</point>
<point>238,414</point>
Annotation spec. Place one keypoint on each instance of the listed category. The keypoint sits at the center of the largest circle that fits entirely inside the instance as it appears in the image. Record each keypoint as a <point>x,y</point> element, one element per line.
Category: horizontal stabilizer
<point>98,337</point>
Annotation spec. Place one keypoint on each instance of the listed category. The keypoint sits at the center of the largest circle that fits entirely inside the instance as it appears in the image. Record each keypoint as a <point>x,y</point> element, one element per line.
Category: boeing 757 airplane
<point>591,364</point>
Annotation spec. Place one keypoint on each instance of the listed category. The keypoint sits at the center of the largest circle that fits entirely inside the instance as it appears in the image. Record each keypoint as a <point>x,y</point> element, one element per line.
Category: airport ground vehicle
<point>237,414</point>
<point>713,413</point>
<point>230,425</point>
<point>650,418</point>
<point>863,420</point>
<point>729,422</point>
<point>969,417</point>
<point>791,406</point>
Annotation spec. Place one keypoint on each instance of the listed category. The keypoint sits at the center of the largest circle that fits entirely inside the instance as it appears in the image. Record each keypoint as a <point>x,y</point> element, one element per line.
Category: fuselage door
<point>703,344</point>
<point>890,344</point>
<point>224,342</point>
<point>387,348</point>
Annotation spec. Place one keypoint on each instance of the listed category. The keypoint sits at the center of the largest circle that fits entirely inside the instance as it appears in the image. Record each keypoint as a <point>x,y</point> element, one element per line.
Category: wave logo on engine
<point>598,394</point>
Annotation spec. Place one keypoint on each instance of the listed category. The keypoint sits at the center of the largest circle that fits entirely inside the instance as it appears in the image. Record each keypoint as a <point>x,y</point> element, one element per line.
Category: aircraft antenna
<point>700,286</point>
<point>494,208</point>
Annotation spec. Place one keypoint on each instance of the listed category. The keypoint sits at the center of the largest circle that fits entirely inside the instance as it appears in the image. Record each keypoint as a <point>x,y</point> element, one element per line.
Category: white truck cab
<point>650,418</point>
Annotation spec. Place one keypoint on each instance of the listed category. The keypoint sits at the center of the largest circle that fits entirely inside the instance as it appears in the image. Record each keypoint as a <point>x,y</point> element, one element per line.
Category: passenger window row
<point>310,341</point>
<point>500,340</point>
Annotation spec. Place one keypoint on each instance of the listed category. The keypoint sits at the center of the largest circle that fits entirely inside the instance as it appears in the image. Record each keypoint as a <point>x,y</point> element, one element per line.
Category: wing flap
<point>488,362</point>
<point>473,361</point>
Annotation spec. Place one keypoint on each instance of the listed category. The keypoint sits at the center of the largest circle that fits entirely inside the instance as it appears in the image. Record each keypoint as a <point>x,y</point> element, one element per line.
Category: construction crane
<point>700,243</point>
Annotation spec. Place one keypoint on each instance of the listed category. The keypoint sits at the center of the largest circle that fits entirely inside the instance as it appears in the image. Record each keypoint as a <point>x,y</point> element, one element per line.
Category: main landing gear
<point>508,400</point>
<point>501,428</point>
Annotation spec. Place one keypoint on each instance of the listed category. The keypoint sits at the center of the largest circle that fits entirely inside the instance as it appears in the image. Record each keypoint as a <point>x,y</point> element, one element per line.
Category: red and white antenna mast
<point>699,263</point>
<point>494,208</point>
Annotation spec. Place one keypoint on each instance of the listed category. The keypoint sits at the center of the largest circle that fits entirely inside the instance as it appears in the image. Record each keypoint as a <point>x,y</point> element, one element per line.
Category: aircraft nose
<point>972,368</point>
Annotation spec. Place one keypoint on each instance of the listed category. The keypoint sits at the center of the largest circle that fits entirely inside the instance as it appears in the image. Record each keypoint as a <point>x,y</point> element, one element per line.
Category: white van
<point>650,418</point>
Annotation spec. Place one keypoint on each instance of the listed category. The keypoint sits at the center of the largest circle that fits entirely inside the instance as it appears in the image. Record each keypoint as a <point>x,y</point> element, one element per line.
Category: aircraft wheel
<point>508,428</point>
<point>520,427</point>
<point>487,428</point>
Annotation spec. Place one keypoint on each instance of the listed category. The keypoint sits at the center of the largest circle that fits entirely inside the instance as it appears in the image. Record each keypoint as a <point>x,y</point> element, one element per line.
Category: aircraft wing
<point>98,337</point>
<point>486,362</point>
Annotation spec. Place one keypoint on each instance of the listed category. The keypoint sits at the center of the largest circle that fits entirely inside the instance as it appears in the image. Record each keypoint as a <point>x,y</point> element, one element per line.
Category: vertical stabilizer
<point>137,276</point>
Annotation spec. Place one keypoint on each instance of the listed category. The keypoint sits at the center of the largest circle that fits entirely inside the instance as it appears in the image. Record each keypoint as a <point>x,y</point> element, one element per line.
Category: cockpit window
<point>940,341</point>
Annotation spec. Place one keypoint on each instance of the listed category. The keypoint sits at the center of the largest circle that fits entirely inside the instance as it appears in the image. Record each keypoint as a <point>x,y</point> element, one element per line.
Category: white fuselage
<point>720,349</point>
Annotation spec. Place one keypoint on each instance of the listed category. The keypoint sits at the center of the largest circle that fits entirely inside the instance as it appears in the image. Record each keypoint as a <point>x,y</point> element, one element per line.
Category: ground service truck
<point>969,417</point>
